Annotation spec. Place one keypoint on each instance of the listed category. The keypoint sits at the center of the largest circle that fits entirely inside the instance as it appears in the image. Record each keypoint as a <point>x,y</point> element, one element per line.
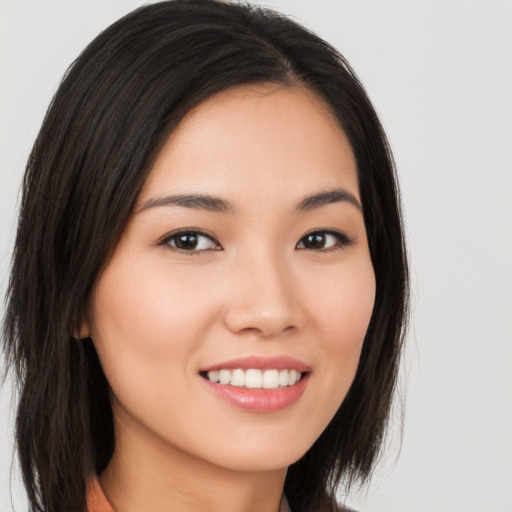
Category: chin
<point>262,456</point>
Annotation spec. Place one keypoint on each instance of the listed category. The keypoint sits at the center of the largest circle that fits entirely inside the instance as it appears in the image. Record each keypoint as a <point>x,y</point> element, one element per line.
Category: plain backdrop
<point>440,74</point>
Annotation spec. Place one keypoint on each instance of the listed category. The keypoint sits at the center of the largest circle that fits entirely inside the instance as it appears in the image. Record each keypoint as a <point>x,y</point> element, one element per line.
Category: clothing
<point>97,502</point>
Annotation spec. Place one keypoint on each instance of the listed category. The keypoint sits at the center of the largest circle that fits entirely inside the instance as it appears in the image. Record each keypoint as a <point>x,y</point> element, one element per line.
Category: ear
<point>81,329</point>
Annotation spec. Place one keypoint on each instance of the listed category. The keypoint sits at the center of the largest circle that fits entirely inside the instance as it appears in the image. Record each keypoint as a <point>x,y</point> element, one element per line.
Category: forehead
<point>258,139</point>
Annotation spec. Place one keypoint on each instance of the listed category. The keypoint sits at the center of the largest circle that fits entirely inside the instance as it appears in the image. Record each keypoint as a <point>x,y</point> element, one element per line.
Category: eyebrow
<point>216,204</point>
<point>196,201</point>
<point>328,197</point>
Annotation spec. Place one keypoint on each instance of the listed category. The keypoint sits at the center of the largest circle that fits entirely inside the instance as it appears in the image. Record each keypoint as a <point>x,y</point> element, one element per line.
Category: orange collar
<point>97,502</point>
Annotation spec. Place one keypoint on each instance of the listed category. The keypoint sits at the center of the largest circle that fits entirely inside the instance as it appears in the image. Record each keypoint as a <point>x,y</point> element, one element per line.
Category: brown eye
<point>323,240</point>
<point>315,241</point>
<point>187,242</point>
<point>191,241</point>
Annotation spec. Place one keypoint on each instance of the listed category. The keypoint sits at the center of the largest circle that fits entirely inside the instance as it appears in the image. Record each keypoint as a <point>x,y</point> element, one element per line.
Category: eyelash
<point>166,241</point>
<point>342,240</point>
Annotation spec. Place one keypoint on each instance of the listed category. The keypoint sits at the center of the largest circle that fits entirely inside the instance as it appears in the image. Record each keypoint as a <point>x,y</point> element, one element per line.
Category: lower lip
<point>260,400</point>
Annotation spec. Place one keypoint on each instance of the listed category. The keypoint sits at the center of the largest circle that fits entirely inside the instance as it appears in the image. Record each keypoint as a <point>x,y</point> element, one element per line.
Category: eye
<point>190,241</point>
<point>324,241</point>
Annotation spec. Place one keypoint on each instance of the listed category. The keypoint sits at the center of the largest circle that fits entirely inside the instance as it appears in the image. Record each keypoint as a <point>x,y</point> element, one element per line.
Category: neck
<point>145,474</point>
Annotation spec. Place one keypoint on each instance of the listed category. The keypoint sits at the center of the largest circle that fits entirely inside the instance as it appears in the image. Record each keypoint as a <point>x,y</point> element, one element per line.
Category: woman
<point>209,282</point>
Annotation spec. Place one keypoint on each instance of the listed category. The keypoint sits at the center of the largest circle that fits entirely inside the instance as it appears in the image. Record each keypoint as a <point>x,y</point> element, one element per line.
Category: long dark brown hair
<point>114,109</point>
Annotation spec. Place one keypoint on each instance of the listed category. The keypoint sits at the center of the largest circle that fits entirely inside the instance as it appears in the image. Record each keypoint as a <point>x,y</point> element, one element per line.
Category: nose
<point>263,297</point>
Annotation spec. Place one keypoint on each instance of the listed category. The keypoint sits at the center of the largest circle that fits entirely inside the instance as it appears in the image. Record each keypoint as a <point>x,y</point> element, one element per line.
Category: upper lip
<point>281,362</point>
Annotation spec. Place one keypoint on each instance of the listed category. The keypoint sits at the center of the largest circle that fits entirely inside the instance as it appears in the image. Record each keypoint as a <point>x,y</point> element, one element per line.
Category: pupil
<point>315,241</point>
<point>186,242</point>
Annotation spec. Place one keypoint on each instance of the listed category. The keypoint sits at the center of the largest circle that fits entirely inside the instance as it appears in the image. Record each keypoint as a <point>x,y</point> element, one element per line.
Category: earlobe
<point>81,330</point>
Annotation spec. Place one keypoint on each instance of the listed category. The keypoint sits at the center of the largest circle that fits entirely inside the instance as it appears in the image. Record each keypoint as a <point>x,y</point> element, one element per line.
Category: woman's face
<point>247,251</point>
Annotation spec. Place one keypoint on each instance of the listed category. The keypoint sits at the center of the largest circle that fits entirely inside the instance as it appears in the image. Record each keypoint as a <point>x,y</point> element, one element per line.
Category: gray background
<point>440,74</point>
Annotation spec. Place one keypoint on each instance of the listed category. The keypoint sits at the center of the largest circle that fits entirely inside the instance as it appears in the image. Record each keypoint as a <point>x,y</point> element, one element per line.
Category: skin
<point>159,314</point>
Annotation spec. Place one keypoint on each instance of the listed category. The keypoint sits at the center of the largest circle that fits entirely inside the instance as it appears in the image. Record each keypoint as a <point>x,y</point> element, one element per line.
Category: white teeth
<point>255,378</point>
<point>237,378</point>
<point>283,378</point>
<point>224,376</point>
<point>213,376</point>
<point>271,379</point>
<point>294,375</point>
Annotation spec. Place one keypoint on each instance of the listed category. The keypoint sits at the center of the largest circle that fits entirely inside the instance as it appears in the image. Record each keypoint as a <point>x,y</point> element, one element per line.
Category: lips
<point>261,362</point>
<point>257,383</point>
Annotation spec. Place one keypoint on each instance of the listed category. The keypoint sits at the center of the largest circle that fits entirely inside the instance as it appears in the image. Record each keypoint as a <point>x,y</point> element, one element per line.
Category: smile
<point>258,384</point>
<point>254,378</point>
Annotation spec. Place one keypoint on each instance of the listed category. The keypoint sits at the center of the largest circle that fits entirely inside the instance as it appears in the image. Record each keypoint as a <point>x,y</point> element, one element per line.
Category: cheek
<point>146,326</point>
<point>343,313</point>
<point>344,305</point>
